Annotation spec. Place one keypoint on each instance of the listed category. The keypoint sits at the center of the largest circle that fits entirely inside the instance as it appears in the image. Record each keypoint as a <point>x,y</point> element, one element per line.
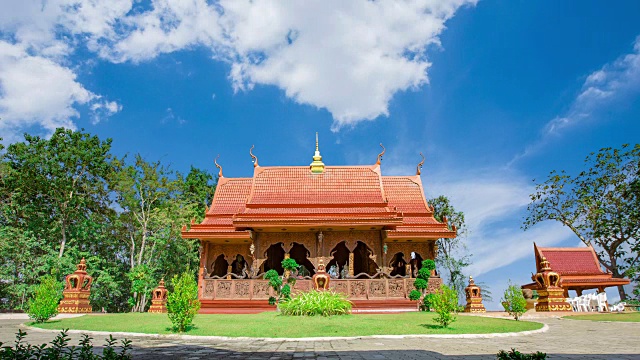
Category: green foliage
<point>183,303</point>
<point>601,205</point>
<point>44,305</point>
<point>311,303</point>
<point>277,282</point>
<point>445,303</point>
<point>420,284</point>
<point>415,295</point>
<point>517,355</point>
<point>68,196</point>
<point>453,256</point>
<point>289,264</point>
<point>428,265</point>
<point>59,349</point>
<point>513,301</point>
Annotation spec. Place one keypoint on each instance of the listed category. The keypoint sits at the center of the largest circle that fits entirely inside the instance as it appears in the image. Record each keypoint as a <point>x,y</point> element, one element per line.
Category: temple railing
<point>355,289</point>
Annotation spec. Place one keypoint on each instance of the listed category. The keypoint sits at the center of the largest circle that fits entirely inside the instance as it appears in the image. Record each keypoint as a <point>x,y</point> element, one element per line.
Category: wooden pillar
<point>579,291</point>
<point>351,256</point>
<point>203,264</point>
<point>287,273</point>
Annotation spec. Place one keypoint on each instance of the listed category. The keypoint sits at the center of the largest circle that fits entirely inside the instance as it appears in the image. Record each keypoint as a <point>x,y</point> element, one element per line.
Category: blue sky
<point>494,94</point>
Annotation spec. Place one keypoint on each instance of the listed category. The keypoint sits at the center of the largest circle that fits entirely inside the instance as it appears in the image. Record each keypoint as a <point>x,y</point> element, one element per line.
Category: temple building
<point>578,267</point>
<point>371,233</point>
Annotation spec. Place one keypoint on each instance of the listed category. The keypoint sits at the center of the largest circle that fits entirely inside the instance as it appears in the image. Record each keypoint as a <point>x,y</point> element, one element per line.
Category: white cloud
<point>613,82</point>
<point>36,91</point>
<point>494,203</point>
<point>348,57</point>
<point>103,110</point>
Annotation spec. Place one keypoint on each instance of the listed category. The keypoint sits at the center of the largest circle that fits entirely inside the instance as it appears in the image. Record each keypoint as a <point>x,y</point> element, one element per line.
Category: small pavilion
<point>578,268</point>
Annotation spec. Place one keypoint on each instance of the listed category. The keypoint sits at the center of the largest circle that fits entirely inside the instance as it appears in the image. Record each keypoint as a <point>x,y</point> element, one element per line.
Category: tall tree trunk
<point>64,238</point>
<point>622,292</point>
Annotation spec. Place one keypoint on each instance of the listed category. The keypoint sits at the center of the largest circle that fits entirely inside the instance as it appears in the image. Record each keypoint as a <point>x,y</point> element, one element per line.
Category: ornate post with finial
<point>76,292</point>
<point>474,298</point>
<point>317,166</point>
<point>159,299</point>
<point>550,292</point>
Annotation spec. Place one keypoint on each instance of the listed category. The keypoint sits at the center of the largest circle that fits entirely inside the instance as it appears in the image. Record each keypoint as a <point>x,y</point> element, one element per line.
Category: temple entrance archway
<point>220,266</point>
<point>301,254</point>
<point>340,254</point>
<point>416,263</point>
<point>398,265</point>
<point>275,255</point>
<point>362,263</point>
<point>238,265</point>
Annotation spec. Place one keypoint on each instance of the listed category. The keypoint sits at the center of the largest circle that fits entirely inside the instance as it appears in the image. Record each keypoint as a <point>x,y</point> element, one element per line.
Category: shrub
<point>44,305</point>
<point>517,355</point>
<point>182,303</point>
<point>59,348</point>
<point>311,303</point>
<point>513,301</point>
<point>445,303</point>
<point>421,284</point>
<point>277,282</point>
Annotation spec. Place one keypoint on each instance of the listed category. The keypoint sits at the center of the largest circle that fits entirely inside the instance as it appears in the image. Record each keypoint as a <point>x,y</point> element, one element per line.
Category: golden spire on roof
<point>317,166</point>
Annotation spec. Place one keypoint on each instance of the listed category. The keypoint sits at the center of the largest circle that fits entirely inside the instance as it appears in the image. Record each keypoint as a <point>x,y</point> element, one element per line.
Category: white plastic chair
<point>584,303</point>
<point>602,302</point>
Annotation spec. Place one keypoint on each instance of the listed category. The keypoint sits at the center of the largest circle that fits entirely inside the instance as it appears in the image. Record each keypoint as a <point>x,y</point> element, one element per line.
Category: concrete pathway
<point>565,339</point>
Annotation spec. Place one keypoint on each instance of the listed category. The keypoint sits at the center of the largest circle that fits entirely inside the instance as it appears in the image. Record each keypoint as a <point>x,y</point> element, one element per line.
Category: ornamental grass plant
<point>312,303</point>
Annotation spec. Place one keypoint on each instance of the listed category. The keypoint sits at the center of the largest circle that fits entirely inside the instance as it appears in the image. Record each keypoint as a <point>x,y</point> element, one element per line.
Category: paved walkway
<point>565,339</point>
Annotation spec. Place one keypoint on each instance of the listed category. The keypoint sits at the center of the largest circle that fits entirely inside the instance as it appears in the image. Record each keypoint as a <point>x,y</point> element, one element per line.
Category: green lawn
<point>623,317</point>
<point>269,324</point>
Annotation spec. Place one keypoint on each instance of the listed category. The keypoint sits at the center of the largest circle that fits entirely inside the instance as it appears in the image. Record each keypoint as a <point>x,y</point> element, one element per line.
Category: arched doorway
<point>398,265</point>
<point>338,265</point>
<point>220,266</point>
<point>300,254</point>
<point>416,263</point>
<point>362,263</point>
<point>275,255</point>
<point>238,265</point>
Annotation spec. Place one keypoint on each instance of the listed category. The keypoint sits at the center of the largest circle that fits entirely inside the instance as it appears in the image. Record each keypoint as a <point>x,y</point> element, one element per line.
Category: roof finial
<point>380,155</point>
<point>255,158</point>
<point>215,161</point>
<point>317,166</point>
<point>419,168</point>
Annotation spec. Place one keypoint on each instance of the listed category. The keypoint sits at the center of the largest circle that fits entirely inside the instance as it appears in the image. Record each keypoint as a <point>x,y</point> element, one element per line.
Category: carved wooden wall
<point>264,240</point>
<point>355,289</point>
<point>371,238</point>
<point>425,249</point>
<point>229,251</point>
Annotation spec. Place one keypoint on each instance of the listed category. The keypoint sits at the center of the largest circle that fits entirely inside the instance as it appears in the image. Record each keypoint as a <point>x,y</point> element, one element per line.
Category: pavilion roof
<point>294,197</point>
<point>578,267</point>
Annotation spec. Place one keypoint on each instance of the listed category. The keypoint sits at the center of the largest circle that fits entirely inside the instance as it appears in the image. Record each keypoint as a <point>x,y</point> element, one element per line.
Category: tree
<point>421,285</point>
<point>182,302</point>
<point>282,284</point>
<point>600,206</point>
<point>513,301</point>
<point>67,175</point>
<point>44,305</point>
<point>445,303</point>
<point>452,255</point>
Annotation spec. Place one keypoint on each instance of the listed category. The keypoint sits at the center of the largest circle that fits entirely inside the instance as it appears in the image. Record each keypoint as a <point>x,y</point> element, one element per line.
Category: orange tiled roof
<point>341,195</point>
<point>578,267</point>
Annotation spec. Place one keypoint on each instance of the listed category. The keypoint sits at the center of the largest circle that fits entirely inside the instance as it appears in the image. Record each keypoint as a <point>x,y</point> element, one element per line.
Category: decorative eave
<point>406,233</point>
